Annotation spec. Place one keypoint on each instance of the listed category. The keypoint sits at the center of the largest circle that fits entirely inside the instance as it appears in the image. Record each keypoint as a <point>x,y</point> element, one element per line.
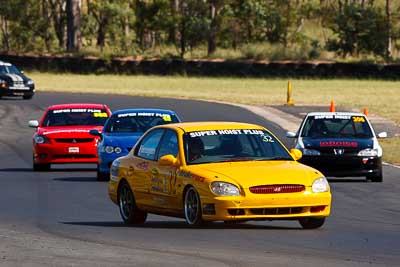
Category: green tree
<point>359,29</point>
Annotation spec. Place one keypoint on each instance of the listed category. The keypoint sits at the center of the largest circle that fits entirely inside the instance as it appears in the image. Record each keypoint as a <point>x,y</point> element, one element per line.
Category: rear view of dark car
<point>13,82</point>
<point>340,144</point>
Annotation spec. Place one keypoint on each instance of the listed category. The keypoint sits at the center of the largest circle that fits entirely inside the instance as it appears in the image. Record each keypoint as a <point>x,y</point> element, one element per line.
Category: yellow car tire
<point>192,207</point>
<point>311,222</point>
<point>130,213</point>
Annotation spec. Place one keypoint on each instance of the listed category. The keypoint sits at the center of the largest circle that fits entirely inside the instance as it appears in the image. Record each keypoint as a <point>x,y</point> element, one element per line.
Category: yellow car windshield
<point>232,145</point>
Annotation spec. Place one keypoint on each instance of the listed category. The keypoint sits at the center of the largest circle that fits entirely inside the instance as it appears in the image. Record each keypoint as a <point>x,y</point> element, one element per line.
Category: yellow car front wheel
<point>192,207</point>
<point>311,223</point>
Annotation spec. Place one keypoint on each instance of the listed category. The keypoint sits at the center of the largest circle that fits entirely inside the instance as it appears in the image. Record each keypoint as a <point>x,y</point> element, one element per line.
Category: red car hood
<point>68,131</point>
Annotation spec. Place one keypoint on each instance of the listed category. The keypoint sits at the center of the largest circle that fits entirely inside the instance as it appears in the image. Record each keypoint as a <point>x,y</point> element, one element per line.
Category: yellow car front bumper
<point>267,206</point>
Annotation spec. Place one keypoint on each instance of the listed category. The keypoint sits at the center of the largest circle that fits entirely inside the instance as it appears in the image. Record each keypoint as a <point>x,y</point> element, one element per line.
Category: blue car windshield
<point>232,145</point>
<point>137,122</point>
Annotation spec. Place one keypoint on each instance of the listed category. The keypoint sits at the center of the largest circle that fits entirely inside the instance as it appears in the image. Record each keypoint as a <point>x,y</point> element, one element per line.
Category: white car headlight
<point>224,189</point>
<point>30,82</point>
<point>109,149</point>
<point>369,152</point>
<point>310,152</point>
<point>117,150</point>
<point>320,185</point>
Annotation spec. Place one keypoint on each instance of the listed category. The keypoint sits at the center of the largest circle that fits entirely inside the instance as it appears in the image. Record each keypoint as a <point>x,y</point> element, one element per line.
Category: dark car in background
<point>340,144</point>
<point>13,82</point>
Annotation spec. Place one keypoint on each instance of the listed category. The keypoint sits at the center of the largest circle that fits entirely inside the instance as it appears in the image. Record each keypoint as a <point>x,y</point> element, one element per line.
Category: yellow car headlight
<point>320,185</point>
<point>224,189</point>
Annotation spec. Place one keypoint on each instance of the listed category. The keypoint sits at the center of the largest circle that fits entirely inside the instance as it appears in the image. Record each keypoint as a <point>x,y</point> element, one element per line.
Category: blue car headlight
<point>112,149</point>
<point>109,149</point>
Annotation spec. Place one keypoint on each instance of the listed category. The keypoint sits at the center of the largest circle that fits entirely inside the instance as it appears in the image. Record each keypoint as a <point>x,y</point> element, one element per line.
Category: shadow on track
<point>76,179</point>
<point>8,98</point>
<point>71,170</point>
<point>347,180</point>
<point>49,171</point>
<point>16,170</point>
<point>183,225</point>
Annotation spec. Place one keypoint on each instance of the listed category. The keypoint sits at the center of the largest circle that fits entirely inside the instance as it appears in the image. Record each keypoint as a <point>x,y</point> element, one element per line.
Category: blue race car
<point>122,130</point>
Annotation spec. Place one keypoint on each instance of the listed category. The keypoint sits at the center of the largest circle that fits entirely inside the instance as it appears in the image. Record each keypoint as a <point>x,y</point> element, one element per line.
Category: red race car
<point>62,135</point>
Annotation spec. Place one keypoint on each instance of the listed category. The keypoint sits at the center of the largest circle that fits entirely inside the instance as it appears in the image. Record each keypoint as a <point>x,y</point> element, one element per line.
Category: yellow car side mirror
<point>296,154</point>
<point>167,160</point>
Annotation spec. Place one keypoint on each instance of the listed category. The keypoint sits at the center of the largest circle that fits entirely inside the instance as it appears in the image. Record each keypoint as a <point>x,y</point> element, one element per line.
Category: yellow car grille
<point>277,188</point>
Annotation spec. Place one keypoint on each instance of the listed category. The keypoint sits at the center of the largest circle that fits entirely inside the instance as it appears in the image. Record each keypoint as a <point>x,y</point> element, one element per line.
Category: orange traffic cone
<point>365,112</point>
<point>332,107</point>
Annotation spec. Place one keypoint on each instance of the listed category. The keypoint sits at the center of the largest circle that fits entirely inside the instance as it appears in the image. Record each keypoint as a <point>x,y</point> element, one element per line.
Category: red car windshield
<point>75,116</point>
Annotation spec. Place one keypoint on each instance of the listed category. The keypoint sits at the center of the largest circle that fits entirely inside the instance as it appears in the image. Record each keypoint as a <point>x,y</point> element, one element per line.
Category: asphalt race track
<point>64,217</point>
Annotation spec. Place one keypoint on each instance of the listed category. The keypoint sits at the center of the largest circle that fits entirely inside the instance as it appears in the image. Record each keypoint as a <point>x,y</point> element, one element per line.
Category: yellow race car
<point>217,171</point>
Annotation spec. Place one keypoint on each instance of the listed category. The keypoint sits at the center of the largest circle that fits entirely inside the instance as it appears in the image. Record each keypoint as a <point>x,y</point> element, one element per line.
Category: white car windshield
<point>336,126</point>
<point>9,69</point>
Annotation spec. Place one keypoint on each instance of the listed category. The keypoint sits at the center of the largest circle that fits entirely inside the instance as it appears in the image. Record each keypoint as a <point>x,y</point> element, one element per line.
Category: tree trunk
<point>288,23</point>
<point>101,32</point>
<point>213,28</point>
<point>46,34</point>
<point>172,29</point>
<point>183,16</point>
<point>126,31</point>
<point>4,31</point>
<point>73,25</point>
<point>389,32</point>
<point>58,17</point>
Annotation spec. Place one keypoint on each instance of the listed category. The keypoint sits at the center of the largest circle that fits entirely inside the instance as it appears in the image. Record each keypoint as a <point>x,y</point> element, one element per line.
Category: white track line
<point>391,165</point>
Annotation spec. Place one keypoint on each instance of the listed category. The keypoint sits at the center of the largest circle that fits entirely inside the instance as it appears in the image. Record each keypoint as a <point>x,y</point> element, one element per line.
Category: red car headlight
<point>41,139</point>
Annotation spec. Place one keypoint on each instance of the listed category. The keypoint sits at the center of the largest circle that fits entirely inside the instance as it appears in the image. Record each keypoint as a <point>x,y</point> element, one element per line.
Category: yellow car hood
<point>252,173</point>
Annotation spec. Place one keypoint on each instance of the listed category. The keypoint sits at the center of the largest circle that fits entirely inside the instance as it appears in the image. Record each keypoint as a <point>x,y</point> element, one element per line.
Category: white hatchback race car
<point>340,144</point>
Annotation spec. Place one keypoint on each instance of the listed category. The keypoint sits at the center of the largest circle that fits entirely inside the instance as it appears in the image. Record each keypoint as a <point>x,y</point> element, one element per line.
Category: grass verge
<point>391,147</point>
<point>380,97</point>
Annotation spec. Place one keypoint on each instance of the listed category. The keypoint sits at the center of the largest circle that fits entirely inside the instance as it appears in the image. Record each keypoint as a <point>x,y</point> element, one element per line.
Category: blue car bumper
<point>105,160</point>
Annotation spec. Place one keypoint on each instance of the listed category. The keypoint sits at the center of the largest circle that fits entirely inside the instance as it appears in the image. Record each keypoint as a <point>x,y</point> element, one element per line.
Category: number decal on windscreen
<point>359,119</point>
